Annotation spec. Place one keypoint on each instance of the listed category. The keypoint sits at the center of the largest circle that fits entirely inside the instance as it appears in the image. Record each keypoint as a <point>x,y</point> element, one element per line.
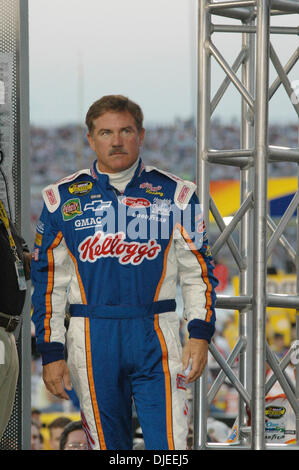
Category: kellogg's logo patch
<point>71,209</point>
<point>113,245</point>
<point>136,202</point>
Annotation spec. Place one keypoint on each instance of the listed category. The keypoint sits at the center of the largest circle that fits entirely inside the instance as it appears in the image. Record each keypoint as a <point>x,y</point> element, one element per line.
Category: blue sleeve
<point>48,316</point>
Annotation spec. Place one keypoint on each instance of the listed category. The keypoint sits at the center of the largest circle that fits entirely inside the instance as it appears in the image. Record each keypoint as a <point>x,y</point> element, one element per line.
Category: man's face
<point>35,439</point>
<point>116,141</point>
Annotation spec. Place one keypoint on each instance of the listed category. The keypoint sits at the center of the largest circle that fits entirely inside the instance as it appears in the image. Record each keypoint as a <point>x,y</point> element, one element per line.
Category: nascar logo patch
<point>81,188</point>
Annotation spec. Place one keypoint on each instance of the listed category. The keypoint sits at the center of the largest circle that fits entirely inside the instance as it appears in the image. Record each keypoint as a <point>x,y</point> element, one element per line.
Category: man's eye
<point>126,131</point>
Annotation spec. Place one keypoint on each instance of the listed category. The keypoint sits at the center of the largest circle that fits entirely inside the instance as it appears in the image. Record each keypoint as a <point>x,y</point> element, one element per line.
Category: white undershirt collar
<point>121,179</point>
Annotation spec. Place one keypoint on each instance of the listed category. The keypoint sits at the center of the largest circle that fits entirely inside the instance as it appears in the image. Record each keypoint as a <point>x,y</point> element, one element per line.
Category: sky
<point>82,50</point>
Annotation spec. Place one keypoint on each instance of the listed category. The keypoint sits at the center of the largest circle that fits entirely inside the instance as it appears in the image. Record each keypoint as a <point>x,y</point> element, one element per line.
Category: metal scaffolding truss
<point>258,233</point>
<point>15,188</point>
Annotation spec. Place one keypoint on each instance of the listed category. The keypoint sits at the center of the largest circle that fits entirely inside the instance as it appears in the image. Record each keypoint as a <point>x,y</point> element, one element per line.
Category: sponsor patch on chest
<point>71,209</point>
<point>136,202</point>
<point>80,188</point>
<point>114,245</point>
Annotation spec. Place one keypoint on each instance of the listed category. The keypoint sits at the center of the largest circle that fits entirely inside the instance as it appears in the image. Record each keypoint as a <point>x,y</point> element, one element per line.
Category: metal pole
<point>260,221</point>
<point>289,6</point>
<point>246,231</point>
<point>233,4</point>
<point>297,309</point>
<point>252,29</point>
<point>245,206</point>
<point>24,158</point>
<point>239,60</point>
<point>14,64</point>
<point>287,68</point>
<point>222,62</point>
<point>202,176</point>
<point>236,13</point>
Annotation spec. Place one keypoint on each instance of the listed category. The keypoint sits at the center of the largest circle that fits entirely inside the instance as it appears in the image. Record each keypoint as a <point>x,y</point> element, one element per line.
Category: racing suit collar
<point>103,178</point>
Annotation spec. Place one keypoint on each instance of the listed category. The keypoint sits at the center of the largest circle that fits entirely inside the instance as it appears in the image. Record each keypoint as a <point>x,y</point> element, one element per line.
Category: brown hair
<point>59,422</point>
<point>116,103</point>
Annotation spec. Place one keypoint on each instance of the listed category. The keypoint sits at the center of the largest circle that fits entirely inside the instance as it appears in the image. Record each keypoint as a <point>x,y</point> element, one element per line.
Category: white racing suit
<point>116,258</point>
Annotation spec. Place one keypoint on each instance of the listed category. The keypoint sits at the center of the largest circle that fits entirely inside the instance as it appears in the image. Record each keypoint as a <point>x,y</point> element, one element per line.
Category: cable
<point>5,182</point>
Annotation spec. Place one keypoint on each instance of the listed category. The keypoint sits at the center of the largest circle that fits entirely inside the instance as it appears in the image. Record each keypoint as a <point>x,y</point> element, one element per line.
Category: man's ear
<point>90,141</point>
<point>141,136</point>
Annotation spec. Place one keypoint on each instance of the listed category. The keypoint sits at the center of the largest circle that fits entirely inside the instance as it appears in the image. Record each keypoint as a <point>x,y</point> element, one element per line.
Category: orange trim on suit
<point>204,271</point>
<point>165,366</point>
<point>48,298</point>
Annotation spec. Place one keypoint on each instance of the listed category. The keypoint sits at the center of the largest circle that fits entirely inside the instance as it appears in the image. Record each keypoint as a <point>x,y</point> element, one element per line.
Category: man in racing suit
<point>112,241</point>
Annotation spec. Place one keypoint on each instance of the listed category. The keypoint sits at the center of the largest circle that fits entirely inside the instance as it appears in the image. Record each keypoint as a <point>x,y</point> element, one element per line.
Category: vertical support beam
<point>246,229</point>
<point>297,310</point>
<point>14,142</point>
<point>203,184</point>
<point>24,212</point>
<point>260,225</point>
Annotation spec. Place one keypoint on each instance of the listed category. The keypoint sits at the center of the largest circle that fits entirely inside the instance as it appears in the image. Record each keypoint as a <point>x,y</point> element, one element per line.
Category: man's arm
<point>195,267</point>
<point>50,274</point>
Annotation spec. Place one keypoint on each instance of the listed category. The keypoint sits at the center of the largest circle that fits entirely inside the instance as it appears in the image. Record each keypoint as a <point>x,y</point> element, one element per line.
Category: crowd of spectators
<point>61,433</point>
<point>59,151</point>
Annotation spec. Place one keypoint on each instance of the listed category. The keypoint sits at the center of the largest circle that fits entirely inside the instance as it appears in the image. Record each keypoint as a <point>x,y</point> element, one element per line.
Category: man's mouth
<point>118,152</point>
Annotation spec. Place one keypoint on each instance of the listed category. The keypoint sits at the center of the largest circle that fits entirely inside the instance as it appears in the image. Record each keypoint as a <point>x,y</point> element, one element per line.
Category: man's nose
<point>117,140</point>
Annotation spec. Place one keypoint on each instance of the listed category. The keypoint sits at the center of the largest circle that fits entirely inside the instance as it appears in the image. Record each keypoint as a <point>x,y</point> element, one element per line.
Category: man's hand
<point>197,351</point>
<point>56,377</point>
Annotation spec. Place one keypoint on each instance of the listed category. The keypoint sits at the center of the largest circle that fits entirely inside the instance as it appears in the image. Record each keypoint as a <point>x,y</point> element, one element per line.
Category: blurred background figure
<point>15,262</point>
<point>56,428</point>
<point>35,417</point>
<point>36,438</point>
<point>278,345</point>
<point>73,437</point>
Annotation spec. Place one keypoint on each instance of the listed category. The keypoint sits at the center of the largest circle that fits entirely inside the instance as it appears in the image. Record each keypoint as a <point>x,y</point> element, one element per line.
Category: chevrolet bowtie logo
<point>97,205</point>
